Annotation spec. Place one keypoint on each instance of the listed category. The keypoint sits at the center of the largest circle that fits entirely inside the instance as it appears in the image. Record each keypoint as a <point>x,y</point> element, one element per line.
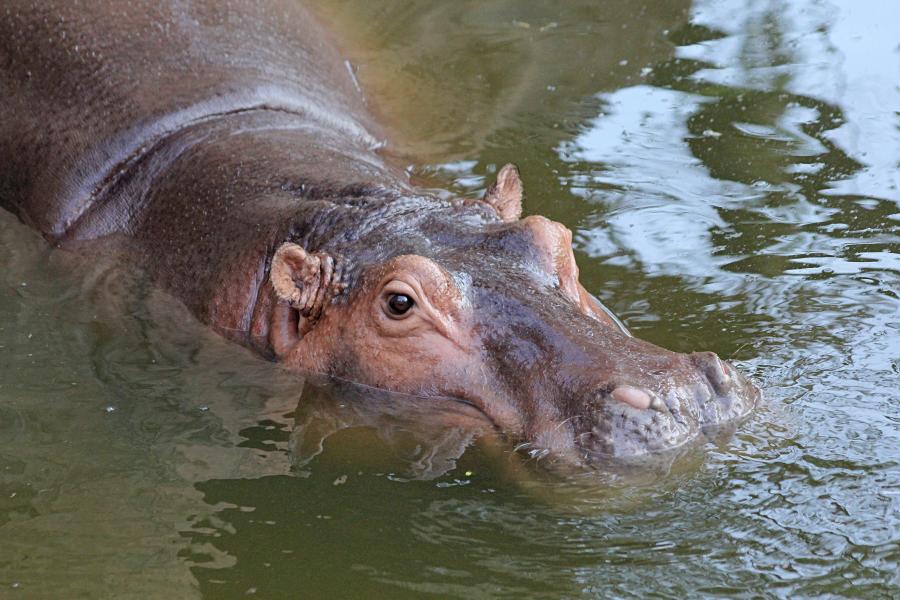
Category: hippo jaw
<point>489,311</point>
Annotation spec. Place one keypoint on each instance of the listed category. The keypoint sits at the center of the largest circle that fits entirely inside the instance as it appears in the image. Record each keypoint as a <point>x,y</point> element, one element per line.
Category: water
<point>730,170</point>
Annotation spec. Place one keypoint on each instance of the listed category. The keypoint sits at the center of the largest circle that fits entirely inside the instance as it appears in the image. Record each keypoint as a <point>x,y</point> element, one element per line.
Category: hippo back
<point>88,89</point>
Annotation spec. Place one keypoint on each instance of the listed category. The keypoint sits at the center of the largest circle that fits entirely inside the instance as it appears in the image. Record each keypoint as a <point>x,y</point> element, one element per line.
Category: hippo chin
<point>249,185</point>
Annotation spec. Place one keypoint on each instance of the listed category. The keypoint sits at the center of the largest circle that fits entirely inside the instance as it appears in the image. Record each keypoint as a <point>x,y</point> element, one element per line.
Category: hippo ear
<point>305,280</point>
<point>505,194</point>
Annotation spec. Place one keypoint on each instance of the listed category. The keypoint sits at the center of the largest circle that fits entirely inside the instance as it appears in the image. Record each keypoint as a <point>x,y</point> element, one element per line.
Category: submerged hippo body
<point>226,143</point>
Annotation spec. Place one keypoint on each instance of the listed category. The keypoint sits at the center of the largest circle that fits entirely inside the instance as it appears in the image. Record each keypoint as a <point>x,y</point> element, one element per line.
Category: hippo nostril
<point>716,371</point>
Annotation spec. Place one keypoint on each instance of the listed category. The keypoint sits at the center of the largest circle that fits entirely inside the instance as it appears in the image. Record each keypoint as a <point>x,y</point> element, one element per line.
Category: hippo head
<point>467,300</point>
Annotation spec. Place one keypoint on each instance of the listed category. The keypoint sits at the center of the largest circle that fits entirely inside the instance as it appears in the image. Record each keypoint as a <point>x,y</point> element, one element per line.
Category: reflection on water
<point>456,78</point>
<point>730,170</point>
<point>843,55</point>
<point>428,434</point>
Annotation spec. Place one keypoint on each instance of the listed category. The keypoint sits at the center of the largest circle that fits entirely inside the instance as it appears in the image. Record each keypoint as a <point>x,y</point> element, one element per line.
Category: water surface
<point>730,170</point>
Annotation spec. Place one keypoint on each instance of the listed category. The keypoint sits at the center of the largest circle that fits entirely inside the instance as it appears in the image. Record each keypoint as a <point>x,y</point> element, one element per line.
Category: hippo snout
<point>631,420</point>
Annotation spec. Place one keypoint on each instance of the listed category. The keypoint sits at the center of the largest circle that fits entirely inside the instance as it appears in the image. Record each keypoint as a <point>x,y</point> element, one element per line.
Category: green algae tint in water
<point>730,171</point>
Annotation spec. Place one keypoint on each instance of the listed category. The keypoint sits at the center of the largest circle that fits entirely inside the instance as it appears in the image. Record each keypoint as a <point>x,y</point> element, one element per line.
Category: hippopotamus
<point>227,145</point>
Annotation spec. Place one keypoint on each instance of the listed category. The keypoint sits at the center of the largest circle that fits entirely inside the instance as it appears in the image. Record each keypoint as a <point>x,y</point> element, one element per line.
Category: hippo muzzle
<point>586,389</point>
<point>629,421</point>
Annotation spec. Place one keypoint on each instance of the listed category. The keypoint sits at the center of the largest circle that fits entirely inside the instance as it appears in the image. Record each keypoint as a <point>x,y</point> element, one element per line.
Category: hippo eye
<point>399,304</point>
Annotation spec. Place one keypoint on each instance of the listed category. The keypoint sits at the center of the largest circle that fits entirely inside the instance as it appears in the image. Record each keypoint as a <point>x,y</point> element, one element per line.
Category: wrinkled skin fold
<point>250,186</point>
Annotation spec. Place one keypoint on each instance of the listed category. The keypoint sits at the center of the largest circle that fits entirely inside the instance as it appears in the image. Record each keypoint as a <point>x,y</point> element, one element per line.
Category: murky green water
<point>731,172</point>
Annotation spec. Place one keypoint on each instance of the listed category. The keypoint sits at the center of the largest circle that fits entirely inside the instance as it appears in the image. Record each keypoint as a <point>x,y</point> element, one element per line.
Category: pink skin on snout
<point>632,396</point>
